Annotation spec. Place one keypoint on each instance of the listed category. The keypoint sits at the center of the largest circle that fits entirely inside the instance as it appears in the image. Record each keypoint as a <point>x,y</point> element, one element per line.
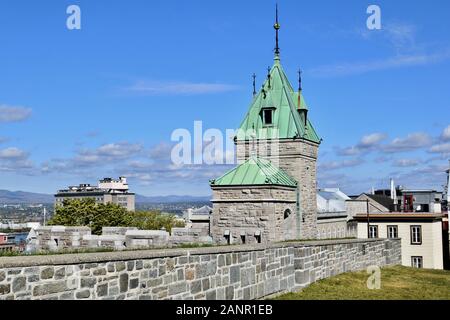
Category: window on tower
<point>267,117</point>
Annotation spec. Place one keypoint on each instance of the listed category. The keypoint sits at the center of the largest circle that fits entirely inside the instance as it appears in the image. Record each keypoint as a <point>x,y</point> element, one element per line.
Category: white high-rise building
<point>108,191</point>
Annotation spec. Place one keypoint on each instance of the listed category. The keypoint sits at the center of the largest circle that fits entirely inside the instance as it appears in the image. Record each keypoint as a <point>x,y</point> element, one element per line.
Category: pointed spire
<point>276,27</point>
<point>300,80</point>
<point>299,104</point>
<point>254,84</point>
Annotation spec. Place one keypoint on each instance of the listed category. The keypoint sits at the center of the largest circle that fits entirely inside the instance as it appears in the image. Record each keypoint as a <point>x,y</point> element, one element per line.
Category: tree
<point>86,212</point>
<point>155,220</point>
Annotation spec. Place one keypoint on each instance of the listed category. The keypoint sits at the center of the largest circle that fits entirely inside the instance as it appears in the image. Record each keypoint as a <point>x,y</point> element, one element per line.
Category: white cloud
<point>356,68</point>
<point>179,88</point>
<point>335,165</point>
<point>406,162</point>
<point>446,134</point>
<point>14,114</point>
<point>118,150</point>
<point>12,154</point>
<point>367,143</point>
<point>443,148</point>
<point>411,142</point>
<point>371,140</point>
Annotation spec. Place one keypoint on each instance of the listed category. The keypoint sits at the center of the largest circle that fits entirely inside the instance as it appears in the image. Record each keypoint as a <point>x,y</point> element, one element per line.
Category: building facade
<point>108,191</point>
<point>420,234</point>
<point>272,192</point>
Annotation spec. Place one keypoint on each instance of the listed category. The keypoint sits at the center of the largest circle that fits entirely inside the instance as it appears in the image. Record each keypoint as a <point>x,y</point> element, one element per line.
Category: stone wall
<point>298,158</point>
<point>255,213</point>
<point>56,238</point>
<point>229,272</point>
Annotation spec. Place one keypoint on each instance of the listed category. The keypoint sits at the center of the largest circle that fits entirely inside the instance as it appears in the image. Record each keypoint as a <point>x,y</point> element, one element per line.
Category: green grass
<point>397,283</point>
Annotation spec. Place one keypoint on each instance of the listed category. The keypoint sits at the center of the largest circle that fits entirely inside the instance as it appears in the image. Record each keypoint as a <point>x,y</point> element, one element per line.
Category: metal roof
<point>288,123</point>
<point>255,171</point>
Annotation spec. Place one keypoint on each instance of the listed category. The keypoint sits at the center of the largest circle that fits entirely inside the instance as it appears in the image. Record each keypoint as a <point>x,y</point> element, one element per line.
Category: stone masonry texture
<point>241,272</point>
<point>298,157</point>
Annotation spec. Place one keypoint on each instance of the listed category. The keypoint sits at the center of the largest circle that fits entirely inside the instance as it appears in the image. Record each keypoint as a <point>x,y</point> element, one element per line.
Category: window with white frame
<point>392,232</point>
<point>417,262</point>
<point>373,232</point>
<point>416,235</point>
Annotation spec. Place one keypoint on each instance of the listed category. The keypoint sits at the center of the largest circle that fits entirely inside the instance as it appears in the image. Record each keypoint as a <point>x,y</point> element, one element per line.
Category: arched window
<point>287,213</point>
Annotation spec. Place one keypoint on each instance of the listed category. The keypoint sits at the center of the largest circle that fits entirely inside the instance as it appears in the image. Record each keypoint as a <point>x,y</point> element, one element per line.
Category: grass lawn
<point>397,283</point>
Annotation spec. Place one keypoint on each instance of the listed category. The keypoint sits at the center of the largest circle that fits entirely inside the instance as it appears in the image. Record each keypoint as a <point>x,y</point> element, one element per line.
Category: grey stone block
<point>177,288</point>
<point>19,284</point>
<point>49,288</point>
<point>60,273</point>
<point>134,283</point>
<point>120,266</point>
<point>235,274</point>
<point>5,289</point>
<point>196,286</point>
<point>14,272</point>
<point>47,273</point>
<point>206,284</point>
<point>110,267</point>
<point>102,290</point>
<point>83,294</point>
<point>99,272</point>
<point>33,278</point>
<point>123,282</point>
<point>88,282</point>
<point>229,293</point>
<point>211,295</point>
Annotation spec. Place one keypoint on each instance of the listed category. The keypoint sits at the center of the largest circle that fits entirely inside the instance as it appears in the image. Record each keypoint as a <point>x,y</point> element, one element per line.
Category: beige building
<point>108,191</point>
<point>420,234</point>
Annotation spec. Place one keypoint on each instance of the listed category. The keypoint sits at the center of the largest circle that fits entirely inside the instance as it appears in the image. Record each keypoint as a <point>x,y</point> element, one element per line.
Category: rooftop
<point>255,171</point>
<point>277,94</point>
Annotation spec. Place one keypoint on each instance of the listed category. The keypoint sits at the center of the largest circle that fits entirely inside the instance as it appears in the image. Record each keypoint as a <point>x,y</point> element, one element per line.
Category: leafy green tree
<point>86,212</point>
<point>155,220</point>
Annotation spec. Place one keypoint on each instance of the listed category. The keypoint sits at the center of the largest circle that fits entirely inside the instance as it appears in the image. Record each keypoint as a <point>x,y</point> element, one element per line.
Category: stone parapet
<point>224,272</point>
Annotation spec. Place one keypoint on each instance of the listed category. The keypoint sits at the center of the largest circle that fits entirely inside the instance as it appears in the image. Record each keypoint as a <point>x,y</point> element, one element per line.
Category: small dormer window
<point>267,116</point>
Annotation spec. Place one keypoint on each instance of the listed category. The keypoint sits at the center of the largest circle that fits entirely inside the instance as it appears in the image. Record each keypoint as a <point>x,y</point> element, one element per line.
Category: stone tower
<point>277,141</point>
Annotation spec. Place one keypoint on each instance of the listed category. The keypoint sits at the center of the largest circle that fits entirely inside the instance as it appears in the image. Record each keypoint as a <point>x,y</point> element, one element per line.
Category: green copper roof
<point>255,171</point>
<point>287,120</point>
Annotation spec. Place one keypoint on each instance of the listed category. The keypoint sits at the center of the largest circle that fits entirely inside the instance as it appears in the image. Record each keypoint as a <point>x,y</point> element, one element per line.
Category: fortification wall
<point>228,272</point>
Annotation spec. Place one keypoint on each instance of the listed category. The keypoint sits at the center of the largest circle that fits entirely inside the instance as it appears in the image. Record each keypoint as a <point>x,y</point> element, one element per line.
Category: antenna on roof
<point>254,84</point>
<point>276,27</point>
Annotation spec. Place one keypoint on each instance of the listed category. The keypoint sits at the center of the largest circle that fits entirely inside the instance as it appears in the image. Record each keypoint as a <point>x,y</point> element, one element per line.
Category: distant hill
<point>11,197</point>
<point>170,199</point>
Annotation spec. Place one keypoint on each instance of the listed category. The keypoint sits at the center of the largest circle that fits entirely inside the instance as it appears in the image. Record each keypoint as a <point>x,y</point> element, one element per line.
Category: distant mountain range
<point>11,197</point>
<point>14,197</point>
<point>170,199</point>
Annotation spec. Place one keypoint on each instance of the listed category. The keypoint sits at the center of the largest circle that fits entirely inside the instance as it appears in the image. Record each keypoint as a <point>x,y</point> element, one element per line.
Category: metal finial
<point>254,84</point>
<point>300,80</point>
<point>268,75</point>
<point>276,27</point>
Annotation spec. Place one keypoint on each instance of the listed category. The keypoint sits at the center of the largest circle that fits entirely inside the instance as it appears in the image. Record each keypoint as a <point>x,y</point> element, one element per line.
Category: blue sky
<point>78,105</point>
